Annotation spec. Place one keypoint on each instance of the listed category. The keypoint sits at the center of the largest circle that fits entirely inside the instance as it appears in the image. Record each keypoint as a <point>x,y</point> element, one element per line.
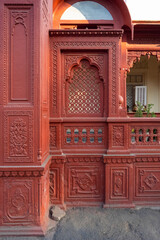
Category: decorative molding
<point>84,159</point>
<point>21,173</point>
<point>119,160</point>
<point>129,160</point>
<point>58,160</point>
<point>98,33</point>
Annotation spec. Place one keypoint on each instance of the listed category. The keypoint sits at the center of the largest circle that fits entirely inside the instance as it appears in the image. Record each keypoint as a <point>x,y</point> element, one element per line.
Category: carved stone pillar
<point>24,124</point>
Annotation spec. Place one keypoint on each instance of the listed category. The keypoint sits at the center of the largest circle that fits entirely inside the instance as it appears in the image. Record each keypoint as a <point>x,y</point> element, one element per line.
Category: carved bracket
<point>134,56</point>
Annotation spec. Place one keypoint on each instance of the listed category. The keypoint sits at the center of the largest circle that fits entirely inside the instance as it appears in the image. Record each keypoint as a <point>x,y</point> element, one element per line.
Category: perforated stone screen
<point>84,90</point>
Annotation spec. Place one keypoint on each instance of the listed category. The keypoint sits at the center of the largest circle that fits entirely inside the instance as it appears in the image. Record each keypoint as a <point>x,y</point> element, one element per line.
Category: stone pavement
<point>96,223</point>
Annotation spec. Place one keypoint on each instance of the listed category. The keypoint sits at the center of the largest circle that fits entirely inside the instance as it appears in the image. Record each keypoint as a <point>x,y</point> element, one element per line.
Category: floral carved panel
<point>18,136</point>
<point>19,202</point>
<point>118,136</point>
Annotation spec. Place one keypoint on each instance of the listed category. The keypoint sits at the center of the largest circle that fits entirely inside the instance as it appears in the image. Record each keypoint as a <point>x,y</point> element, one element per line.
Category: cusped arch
<point>93,61</point>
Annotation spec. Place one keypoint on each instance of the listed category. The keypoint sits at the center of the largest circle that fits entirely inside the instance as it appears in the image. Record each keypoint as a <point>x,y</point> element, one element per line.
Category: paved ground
<point>105,224</point>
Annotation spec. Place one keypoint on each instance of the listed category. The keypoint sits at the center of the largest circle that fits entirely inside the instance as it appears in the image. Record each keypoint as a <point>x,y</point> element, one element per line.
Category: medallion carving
<point>84,182</point>
<point>18,199</point>
<point>148,179</point>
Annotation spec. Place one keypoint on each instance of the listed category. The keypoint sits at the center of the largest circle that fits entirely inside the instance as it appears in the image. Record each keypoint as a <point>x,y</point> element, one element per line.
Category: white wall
<point>150,69</point>
<point>144,9</point>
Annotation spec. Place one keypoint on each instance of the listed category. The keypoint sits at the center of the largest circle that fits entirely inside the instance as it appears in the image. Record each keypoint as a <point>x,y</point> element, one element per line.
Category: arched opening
<point>72,14</point>
<point>143,84</point>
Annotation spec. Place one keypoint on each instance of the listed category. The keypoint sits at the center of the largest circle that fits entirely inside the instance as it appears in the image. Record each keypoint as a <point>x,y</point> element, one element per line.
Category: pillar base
<point>21,231</point>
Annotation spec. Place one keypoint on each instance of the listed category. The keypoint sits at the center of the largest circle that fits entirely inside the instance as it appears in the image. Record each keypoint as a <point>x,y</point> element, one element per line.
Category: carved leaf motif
<point>18,138</point>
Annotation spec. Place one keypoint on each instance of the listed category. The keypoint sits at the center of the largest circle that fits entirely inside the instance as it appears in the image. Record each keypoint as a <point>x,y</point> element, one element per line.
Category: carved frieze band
<point>60,160</point>
<point>130,160</point>
<point>17,173</point>
<point>18,136</point>
<point>55,46</point>
<point>97,33</point>
<point>134,56</point>
<point>105,159</point>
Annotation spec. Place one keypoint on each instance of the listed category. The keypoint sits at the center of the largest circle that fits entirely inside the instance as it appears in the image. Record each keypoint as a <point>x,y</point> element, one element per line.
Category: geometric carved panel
<point>148,181</point>
<point>119,183</point>
<point>84,183</point>
<point>18,136</point>
<point>18,201</point>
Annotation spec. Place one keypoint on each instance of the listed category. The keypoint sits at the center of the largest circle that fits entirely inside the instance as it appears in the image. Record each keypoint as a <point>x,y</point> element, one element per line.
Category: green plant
<point>139,110</point>
<point>148,110</point>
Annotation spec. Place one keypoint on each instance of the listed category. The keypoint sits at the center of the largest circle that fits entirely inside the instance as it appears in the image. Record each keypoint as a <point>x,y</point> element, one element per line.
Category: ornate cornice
<point>92,32</point>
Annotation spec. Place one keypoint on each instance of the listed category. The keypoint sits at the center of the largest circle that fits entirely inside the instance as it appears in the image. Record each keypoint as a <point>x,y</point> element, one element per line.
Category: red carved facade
<point>66,137</point>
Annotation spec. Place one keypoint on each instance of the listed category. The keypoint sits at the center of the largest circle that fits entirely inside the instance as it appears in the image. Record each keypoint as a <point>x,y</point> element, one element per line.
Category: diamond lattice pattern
<point>84,90</point>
